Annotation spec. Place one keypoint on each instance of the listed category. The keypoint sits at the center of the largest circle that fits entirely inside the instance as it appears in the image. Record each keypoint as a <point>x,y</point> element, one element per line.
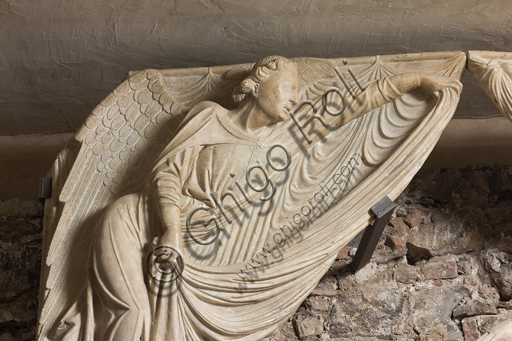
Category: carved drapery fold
<point>230,296</point>
<point>493,72</point>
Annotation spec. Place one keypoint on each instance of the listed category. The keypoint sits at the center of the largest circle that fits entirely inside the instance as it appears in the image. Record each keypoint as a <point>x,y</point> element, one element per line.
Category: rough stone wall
<point>442,270</point>
<point>20,266</point>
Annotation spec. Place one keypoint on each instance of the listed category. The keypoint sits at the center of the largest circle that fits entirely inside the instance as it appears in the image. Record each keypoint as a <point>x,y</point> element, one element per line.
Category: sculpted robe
<point>264,251</point>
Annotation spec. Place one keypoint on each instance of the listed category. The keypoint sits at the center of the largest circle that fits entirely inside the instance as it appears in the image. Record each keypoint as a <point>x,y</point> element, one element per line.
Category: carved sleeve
<point>379,93</point>
<point>167,188</point>
<point>171,174</point>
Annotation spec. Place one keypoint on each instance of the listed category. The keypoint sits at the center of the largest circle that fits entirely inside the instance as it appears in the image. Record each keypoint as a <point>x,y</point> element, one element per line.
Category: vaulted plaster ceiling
<point>58,59</point>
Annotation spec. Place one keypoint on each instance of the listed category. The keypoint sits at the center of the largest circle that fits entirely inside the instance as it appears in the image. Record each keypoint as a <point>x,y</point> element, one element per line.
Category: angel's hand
<point>167,255</point>
<point>166,258</point>
<point>434,83</point>
<point>170,240</point>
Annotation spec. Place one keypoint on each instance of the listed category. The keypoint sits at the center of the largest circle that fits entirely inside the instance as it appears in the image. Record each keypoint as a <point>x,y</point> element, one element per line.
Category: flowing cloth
<point>262,265</point>
<point>495,78</point>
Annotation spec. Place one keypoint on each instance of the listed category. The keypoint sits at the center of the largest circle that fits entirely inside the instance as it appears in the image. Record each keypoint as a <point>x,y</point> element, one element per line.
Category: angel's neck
<point>251,119</point>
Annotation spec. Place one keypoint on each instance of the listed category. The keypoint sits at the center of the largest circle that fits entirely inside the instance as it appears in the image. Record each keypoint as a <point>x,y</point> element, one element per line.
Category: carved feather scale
<point>114,148</point>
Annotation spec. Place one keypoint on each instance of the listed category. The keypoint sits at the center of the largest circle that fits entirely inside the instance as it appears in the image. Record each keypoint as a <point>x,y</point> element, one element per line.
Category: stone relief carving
<point>186,210</point>
<point>493,72</point>
<point>501,332</point>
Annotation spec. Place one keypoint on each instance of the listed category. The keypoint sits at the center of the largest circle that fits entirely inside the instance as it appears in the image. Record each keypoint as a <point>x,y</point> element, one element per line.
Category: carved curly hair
<point>261,70</point>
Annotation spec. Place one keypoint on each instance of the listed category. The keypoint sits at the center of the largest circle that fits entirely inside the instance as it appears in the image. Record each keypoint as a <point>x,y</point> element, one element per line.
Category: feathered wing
<point>110,156</point>
<point>128,129</point>
<point>249,299</point>
<point>493,72</point>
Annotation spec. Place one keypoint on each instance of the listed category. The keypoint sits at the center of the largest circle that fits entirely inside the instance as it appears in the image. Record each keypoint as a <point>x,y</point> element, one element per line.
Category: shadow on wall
<point>24,159</point>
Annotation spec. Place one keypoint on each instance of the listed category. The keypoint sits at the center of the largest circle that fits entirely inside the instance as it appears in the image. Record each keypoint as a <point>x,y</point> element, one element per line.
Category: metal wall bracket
<point>383,211</point>
<point>45,189</point>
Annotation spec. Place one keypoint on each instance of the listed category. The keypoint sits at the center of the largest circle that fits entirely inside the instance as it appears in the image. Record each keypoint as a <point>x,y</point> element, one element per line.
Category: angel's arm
<point>168,182</point>
<point>391,88</point>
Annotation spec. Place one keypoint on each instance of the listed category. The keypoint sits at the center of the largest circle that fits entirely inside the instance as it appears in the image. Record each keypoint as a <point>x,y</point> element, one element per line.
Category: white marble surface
<point>295,163</point>
<point>493,71</point>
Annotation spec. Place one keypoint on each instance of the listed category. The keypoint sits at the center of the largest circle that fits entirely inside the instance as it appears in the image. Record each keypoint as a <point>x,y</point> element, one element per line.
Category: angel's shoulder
<point>208,105</point>
<point>203,110</point>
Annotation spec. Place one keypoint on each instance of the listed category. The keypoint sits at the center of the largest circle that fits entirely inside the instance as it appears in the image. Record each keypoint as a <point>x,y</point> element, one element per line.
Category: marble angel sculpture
<point>493,71</point>
<point>177,218</point>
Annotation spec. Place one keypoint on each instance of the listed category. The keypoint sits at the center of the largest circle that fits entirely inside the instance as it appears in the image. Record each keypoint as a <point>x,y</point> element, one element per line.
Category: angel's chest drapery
<point>217,181</point>
<point>219,168</point>
<point>233,223</point>
<point>239,287</point>
<point>220,302</point>
<point>214,179</point>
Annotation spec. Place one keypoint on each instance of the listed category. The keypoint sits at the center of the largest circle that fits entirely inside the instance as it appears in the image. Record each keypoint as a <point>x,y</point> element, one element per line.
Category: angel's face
<point>277,95</point>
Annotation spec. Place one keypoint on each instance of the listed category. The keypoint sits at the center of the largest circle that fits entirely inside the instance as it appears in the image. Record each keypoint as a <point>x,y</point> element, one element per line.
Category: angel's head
<point>272,85</point>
